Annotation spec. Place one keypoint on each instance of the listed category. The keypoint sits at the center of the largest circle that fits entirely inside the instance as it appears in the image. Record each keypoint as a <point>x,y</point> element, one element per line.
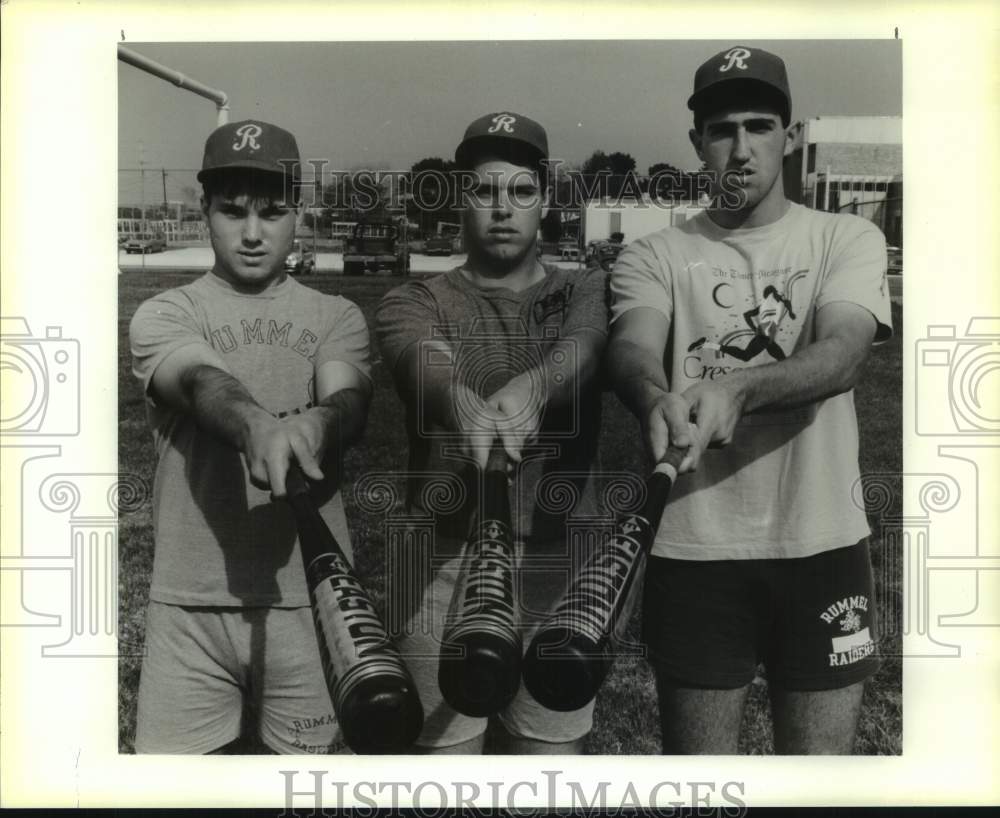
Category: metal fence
<point>161,202</point>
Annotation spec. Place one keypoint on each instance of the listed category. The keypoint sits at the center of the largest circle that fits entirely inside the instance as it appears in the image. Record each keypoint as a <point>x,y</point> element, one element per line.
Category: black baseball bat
<point>479,670</point>
<point>572,652</point>
<point>373,694</point>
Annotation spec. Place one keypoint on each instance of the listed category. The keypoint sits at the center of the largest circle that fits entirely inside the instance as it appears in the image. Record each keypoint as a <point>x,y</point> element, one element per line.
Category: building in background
<point>635,218</point>
<point>850,164</point>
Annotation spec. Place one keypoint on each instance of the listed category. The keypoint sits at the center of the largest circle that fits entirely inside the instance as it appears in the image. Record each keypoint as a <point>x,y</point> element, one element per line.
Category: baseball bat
<point>572,652</point>
<point>373,695</point>
<point>479,670</point>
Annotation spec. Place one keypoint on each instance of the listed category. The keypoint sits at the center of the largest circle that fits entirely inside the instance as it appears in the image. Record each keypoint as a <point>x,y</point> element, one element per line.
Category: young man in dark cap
<point>245,371</point>
<point>505,348</point>
<point>739,335</point>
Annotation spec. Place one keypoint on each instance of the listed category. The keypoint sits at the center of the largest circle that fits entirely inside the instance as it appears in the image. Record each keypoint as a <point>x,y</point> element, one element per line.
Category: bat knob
<point>562,671</point>
<point>483,680</point>
<point>382,717</point>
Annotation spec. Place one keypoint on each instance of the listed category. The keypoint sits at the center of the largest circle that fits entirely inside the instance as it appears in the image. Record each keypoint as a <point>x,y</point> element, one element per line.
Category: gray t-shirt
<point>495,334</point>
<point>220,540</point>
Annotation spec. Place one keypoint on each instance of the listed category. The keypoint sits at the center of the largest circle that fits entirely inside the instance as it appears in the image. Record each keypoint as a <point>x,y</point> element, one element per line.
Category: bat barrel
<point>479,670</point>
<point>373,694</point>
<point>572,653</point>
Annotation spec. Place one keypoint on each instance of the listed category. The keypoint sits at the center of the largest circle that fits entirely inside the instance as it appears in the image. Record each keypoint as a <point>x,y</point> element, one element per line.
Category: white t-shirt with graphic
<point>746,297</point>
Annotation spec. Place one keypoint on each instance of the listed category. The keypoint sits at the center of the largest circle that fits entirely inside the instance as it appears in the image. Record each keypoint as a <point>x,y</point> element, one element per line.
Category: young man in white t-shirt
<point>740,335</point>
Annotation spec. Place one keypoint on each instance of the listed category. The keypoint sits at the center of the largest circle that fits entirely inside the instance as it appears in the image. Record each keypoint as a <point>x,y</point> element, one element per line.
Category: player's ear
<point>546,201</point>
<point>695,137</point>
<point>792,137</point>
<point>205,204</point>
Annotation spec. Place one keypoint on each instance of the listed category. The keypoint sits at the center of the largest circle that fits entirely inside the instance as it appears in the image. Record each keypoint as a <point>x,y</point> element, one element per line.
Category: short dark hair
<point>749,94</point>
<point>258,185</point>
<point>507,150</point>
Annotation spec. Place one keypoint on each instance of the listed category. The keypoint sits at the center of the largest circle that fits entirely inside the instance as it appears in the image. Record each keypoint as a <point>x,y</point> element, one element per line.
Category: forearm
<point>637,376</point>
<point>442,401</point>
<point>821,370</point>
<point>341,419</point>
<point>222,405</point>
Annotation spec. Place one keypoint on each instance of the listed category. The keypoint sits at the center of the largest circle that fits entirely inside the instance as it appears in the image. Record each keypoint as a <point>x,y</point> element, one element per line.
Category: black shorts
<point>810,620</point>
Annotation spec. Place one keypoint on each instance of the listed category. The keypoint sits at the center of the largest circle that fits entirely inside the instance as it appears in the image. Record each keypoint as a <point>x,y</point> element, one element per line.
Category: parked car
<point>605,252</point>
<point>146,243</point>
<point>569,249</point>
<point>895,260</point>
<point>438,246</point>
<point>301,260</point>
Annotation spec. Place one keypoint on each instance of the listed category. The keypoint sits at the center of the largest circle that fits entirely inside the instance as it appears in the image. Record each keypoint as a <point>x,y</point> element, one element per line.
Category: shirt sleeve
<point>588,307</point>
<point>347,340</point>
<point>405,316</point>
<point>857,272</point>
<point>163,324</point>
<point>640,278</point>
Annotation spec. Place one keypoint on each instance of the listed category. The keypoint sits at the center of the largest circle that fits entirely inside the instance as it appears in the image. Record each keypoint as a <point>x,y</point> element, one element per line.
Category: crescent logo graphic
<point>502,122</point>
<point>717,295</point>
<point>736,56</point>
<point>248,136</point>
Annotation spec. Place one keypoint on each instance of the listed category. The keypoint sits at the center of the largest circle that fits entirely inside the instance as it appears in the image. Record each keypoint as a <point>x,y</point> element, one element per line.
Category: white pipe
<point>220,98</point>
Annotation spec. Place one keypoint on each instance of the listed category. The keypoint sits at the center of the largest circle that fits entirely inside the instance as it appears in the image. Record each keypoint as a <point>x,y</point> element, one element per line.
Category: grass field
<point>625,721</point>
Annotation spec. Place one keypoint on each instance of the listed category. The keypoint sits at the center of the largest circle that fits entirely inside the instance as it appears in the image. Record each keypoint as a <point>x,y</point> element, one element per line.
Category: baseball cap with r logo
<point>250,144</point>
<point>738,71</point>
<point>513,130</point>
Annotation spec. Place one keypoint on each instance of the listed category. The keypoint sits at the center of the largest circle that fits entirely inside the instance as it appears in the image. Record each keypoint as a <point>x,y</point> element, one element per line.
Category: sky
<point>388,104</point>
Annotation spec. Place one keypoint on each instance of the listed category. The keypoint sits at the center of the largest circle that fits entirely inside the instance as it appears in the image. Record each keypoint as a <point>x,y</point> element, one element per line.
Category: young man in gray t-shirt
<point>505,348</point>
<point>245,371</point>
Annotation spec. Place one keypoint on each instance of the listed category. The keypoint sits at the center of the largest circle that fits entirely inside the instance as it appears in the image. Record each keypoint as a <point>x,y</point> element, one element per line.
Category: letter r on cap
<point>736,56</point>
<point>248,136</point>
<point>502,121</point>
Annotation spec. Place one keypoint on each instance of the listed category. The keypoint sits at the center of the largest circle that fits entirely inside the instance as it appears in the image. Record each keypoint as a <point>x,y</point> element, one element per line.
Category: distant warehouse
<point>850,164</point>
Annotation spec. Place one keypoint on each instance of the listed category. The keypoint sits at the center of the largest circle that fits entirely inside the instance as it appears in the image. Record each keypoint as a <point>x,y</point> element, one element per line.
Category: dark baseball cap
<point>504,127</point>
<point>250,144</point>
<point>737,71</point>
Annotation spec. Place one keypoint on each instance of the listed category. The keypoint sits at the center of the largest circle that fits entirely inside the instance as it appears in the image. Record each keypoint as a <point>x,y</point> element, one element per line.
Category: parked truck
<point>377,248</point>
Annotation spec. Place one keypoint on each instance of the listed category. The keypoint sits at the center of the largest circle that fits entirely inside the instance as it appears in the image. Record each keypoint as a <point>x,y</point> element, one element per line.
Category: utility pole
<point>142,195</point>
<point>317,199</point>
<point>142,187</point>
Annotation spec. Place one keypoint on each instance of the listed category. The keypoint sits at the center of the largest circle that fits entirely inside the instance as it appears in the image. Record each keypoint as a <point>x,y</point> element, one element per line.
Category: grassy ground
<point>625,721</point>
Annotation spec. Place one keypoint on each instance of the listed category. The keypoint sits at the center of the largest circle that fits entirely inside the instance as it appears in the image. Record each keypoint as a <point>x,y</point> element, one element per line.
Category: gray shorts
<point>204,664</point>
<point>541,584</point>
